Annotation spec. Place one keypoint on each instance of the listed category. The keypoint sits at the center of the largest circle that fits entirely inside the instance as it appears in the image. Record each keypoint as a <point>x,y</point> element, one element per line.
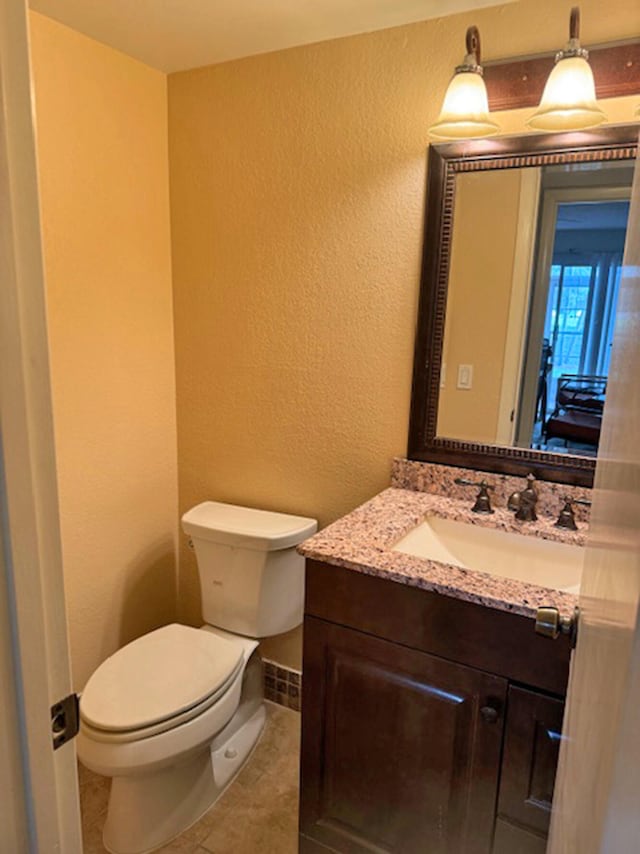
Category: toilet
<point>173,716</point>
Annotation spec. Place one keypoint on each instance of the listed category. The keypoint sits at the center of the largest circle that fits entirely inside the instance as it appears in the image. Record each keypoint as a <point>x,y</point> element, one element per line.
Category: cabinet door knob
<point>489,714</point>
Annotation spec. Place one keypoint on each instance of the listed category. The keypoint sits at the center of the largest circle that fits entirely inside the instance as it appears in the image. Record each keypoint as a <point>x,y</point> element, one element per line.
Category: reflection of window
<point>580,315</point>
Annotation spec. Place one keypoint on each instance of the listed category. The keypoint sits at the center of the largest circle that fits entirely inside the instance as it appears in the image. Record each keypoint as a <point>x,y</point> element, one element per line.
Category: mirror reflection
<point>534,273</point>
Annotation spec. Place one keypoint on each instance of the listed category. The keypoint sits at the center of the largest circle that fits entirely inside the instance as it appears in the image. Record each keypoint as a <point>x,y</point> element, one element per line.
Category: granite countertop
<point>362,541</point>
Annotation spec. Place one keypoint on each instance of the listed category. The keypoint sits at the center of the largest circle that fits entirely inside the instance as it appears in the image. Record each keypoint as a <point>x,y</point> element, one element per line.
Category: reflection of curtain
<point>599,330</point>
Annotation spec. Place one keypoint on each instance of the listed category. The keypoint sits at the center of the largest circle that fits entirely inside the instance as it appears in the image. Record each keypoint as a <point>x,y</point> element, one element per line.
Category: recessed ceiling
<point>173,35</point>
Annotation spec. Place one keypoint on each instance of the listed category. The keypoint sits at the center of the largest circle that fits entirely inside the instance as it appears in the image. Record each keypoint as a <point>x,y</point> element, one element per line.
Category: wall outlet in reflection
<point>443,375</point>
<point>465,376</point>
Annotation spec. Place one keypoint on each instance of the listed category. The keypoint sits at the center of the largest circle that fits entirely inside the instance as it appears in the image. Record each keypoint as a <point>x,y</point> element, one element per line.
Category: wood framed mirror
<point>522,257</point>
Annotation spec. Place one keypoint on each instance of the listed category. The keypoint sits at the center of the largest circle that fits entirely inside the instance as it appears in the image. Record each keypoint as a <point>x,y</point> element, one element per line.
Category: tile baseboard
<point>282,685</point>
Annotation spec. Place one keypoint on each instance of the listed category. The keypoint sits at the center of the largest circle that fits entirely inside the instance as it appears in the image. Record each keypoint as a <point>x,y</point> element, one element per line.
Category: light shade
<point>465,111</point>
<point>569,98</point>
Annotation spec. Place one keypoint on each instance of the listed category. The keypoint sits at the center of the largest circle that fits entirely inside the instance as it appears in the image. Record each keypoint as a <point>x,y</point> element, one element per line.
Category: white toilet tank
<point>251,577</point>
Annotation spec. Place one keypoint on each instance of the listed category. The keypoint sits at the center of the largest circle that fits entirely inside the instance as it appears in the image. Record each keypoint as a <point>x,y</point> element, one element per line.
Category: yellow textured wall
<point>479,294</point>
<point>297,197</point>
<point>102,149</point>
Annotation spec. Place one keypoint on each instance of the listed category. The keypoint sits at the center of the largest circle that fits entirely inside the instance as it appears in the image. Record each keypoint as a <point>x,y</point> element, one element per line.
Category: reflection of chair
<point>577,416</point>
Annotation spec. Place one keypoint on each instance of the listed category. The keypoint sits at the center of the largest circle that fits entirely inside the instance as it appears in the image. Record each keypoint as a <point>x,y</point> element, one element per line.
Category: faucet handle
<point>483,501</point>
<point>567,518</point>
<point>481,484</point>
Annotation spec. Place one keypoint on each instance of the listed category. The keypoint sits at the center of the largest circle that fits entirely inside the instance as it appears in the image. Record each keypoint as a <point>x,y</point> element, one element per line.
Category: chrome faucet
<point>524,503</point>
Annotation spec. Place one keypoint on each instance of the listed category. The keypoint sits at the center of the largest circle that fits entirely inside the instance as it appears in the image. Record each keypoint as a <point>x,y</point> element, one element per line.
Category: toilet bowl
<point>173,716</point>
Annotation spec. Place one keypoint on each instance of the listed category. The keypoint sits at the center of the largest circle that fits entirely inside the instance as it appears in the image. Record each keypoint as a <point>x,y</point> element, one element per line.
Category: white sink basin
<point>531,559</point>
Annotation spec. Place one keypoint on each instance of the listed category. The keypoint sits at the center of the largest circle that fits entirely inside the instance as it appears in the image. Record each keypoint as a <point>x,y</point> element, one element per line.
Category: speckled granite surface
<point>440,480</point>
<point>363,541</point>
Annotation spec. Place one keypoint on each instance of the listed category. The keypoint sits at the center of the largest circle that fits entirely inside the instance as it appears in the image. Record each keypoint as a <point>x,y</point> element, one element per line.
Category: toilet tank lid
<point>233,525</point>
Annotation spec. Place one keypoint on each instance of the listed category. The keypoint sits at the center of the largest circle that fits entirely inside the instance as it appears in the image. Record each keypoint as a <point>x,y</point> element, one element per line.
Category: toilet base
<point>148,811</point>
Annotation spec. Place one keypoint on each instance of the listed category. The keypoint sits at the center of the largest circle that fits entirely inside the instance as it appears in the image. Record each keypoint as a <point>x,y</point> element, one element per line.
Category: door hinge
<point>65,720</point>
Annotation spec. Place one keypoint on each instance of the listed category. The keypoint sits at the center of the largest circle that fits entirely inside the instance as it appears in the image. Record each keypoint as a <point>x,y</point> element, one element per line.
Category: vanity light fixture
<point>465,110</point>
<point>569,97</point>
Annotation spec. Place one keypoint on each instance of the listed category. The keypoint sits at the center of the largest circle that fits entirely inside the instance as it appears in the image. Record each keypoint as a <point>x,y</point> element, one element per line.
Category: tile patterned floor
<point>258,814</point>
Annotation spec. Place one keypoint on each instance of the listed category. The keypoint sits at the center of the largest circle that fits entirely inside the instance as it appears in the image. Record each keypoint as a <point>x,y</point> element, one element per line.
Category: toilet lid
<point>157,677</point>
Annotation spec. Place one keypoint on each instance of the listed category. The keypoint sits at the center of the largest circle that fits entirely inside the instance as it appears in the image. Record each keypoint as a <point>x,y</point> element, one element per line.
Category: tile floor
<point>258,814</point>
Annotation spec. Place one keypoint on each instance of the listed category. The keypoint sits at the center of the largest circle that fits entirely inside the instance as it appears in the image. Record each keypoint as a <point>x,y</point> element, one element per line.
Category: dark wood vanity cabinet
<point>408,749</point>
<point>407,746</point>
<point>528,771</point>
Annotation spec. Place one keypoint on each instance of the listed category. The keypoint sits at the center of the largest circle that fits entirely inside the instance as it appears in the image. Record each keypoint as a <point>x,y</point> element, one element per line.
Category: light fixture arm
<point>573,47</point>
<point>574,24</point>
<point>472,58</point>
<point>473,44</point>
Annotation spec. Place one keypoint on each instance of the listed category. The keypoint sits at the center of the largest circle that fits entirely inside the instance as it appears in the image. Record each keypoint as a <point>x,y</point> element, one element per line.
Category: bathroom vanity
<point>432,711</point>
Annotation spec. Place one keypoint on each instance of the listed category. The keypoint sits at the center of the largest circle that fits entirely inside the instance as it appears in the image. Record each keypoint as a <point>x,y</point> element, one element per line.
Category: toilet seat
<point>158,682</point>
<point>121,736</point>
<point>126,753</point>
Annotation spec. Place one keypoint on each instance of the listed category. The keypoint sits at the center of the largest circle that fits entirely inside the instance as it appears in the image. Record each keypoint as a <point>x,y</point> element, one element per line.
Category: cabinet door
<point>531,746</point>
<point>513,839</point>
<point>400,749</point>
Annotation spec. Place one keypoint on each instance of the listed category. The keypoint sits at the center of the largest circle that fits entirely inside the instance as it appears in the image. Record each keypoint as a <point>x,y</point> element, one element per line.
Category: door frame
<point>521,284</point>
<point>14,805</point>
<point>43,783</point>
